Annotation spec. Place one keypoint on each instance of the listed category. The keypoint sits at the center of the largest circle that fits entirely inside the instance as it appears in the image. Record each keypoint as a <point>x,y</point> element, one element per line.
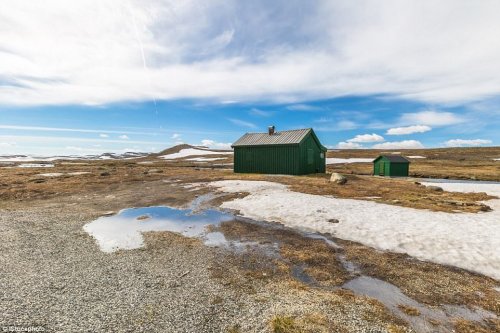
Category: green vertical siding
<point>293,159</point>
<point>384,167</point>
<point>399,169</point>
<point>283,159</point>
<point>312,158</point>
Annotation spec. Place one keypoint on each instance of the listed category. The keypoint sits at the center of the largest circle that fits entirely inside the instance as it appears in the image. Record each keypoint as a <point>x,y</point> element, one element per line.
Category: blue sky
<point>108,75</point>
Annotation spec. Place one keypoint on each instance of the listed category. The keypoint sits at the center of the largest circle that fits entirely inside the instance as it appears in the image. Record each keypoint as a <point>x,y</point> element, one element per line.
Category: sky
<point>94,76</point>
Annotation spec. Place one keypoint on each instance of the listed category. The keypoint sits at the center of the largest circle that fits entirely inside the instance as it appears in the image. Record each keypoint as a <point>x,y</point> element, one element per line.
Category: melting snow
<point>205,159</point>
<point>467,240</point>
<point>417,156</point>
<point>193,152</point>
<point>35,165</point>
<point>348,160</point>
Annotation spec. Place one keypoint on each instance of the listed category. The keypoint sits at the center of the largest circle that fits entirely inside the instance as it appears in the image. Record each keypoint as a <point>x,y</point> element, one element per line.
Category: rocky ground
<point>53,273</point>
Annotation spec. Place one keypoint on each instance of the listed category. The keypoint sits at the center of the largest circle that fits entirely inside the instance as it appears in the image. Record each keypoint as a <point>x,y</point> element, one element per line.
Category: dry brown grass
<point>426,282</point>
<point>410,311</point>
<point>284,324</point>
<point>25,184</point>
<point>465,326</point>
<point>456,163</point>
<point>319,258</point>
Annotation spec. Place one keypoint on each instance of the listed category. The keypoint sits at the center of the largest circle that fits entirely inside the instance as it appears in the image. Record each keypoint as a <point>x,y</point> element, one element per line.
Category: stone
<point>338,178</point>
<point>435,188</point>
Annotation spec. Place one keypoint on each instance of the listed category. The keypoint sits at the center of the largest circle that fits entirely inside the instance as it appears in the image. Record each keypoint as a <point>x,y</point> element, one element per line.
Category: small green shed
<point>295,152</point>
<point>391,165</point>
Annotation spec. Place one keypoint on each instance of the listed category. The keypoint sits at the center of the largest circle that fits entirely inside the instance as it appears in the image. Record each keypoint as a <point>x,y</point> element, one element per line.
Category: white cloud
<point>367,138</point>
<point>216,145</point>
<point>7,144</point>
<point>408,130</point>
<point>349,145</point>
<point>62,129</point>
<point>175,136</point>
<point>303,107</point>
<point>124,137</point>
<point>103,135</point>
<point>260,113</point>
<point>102,51</point>
<point>242,123</point>
<point>406,144</point>
<point>464,143</point>
<point>431,118</point>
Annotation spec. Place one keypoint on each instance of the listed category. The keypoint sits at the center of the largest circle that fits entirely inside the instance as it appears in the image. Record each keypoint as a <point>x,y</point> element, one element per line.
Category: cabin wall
<point>278,159</point>
<point>312,158</point>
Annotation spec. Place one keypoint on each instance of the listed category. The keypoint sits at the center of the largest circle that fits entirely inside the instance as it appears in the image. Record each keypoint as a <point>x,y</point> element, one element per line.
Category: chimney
<point>270,130</point>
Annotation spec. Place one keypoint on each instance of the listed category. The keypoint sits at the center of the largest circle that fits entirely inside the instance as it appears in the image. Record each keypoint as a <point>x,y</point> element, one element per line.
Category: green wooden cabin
<point>295,152</point>
<point>391,165</point>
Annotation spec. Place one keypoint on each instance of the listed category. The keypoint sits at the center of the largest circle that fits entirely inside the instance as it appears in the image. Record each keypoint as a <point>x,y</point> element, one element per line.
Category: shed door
<point>310,156</point>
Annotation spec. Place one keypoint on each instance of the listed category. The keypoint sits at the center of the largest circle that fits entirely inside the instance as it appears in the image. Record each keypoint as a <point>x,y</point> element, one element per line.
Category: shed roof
<point>278,138</point>
<point>394,158</point>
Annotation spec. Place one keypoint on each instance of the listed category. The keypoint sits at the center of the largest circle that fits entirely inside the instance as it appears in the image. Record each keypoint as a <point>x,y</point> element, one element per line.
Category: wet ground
<point>197,269</point>
<point>269,244</point>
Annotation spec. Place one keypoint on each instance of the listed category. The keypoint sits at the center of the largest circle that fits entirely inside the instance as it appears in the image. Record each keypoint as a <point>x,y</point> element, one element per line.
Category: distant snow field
<point>467,240</point>
<point>59,174</point>
<point>35,165</point>
<point>348,160</point>
<point>417,156</point>
<point>496,159</point>
<point>205,159</point>
<point>194,152</point>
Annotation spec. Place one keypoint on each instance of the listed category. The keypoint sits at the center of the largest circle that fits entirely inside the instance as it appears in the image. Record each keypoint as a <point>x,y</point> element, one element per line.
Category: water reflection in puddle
<point>392,297</point>
<point>124,230</point>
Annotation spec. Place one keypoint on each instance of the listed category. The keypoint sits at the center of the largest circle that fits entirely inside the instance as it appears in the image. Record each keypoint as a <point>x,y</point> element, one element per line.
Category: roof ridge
<point>292,130</point>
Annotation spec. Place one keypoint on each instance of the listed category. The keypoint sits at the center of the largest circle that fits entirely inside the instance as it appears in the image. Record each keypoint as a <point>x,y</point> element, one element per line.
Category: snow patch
<point>417,156</point>
<point>59,174</point>
<point>467,240</point>
<point>348,160</point>
<point>193,152</point>
<point>35,165</point>
<point>205,159</point>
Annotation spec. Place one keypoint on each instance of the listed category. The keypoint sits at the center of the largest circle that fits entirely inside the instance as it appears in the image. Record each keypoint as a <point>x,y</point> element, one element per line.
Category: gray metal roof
<point>394,158</point>
<point>278,138</point>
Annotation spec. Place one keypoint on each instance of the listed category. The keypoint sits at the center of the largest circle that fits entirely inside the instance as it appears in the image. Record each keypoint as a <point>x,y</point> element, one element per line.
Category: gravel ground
<point>54,275</point>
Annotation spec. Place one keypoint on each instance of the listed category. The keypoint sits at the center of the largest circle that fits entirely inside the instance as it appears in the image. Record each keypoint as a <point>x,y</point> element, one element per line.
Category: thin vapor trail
<point>141,47</point>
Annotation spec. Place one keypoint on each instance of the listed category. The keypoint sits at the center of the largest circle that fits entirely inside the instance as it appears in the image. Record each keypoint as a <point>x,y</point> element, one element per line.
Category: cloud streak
<point>408,130</point>
<point>405,144</point>
<point>467,142</point>
<point>247,51</point>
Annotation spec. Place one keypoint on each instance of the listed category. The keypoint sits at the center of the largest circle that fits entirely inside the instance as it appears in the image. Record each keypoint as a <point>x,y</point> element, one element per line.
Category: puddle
<point>124,230</point>
<point>298,272</point>
<point>391,296</point>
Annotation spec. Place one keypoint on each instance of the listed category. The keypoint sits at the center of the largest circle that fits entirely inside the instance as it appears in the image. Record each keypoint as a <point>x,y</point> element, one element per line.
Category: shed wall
<point>278,159</point>
<point>393,169</point>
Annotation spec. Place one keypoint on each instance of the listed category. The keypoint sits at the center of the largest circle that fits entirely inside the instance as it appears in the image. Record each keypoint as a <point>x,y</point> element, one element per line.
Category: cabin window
<point>322,155</point>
